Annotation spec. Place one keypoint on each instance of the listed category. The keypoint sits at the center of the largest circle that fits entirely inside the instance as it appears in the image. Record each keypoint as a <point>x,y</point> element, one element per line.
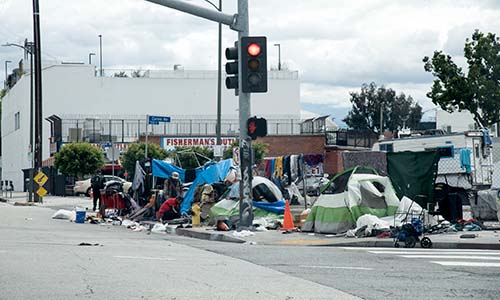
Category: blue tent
<point>210,173</point>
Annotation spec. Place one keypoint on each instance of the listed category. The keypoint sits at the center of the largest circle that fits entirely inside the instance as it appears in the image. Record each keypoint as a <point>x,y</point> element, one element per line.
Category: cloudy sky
<point>335,45</point>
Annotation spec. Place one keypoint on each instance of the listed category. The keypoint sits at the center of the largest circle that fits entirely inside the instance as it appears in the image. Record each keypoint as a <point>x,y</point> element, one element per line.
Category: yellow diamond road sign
<point>40,178</point>
<point>41,192</point>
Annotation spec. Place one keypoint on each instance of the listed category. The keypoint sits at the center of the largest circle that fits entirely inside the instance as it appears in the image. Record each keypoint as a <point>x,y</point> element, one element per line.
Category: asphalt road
<point>378,273</point>
<point>40,259</point>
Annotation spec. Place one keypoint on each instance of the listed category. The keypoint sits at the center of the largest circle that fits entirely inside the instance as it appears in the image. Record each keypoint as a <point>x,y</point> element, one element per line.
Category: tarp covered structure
<point>210,173</point>
<point>267,201</point>
<point>349,195</point>
<point>413,174</point>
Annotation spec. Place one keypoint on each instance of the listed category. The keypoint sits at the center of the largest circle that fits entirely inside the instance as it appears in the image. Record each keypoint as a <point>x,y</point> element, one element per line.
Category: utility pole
<point>237,22</point>
<point>279,56</point>
<point>381,133</point>
<point>100,55</point>
<point>218,128</point>
<point>38,90</point>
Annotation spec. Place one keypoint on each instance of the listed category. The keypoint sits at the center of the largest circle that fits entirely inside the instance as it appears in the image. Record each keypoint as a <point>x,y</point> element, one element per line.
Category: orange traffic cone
<point>287,220</point>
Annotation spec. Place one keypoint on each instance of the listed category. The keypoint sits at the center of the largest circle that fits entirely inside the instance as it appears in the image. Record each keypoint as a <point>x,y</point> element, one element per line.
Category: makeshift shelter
<point>349,195</point>
<point>210,173</point>
<point>414,174</point>
<point>267,201</point>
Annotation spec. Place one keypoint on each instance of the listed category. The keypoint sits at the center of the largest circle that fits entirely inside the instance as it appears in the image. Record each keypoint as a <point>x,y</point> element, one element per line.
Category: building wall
<point>458,121</point>
<point>74,90</point>
<point>333,161</point>
<point>294,144</point>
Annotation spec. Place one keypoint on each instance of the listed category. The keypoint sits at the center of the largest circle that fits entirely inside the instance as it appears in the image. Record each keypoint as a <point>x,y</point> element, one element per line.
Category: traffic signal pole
<point>237,22</point>
<point>246,209</point>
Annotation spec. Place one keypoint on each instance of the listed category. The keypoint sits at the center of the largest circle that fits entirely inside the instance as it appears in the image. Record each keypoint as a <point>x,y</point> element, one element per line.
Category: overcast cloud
<point>335,45</point>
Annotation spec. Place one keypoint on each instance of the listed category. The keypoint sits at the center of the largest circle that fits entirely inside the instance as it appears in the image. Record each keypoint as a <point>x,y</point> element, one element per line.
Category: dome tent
<point>348,196</point>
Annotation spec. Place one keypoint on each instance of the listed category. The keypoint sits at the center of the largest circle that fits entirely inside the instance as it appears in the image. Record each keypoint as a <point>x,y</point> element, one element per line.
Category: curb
<point>220,237</point>
<point>435,245</point>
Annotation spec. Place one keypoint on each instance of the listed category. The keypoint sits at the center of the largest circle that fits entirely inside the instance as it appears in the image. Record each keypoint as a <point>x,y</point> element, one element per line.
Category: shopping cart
<point>412,229</point>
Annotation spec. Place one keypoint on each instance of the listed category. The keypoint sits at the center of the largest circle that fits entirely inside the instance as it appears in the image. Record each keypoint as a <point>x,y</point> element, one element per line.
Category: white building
<point>86,104</point>
<point>458,121</point>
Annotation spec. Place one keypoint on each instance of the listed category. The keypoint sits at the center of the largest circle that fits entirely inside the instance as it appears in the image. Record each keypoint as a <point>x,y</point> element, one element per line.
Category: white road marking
<point>332,267</point>
<point>414,249</point>
<point>451,257</point>
<point>434,252</point>
<point>466,264</point>
<point>144,257</point>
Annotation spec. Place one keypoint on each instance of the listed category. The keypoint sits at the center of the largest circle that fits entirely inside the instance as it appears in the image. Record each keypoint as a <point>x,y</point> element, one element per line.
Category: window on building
<point>386,147</point>
<point>17,121</point>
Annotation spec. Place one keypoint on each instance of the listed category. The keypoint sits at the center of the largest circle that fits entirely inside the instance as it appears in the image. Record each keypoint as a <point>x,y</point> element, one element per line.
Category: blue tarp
<point>210,173</point>
<point>164,169</point>
<point>277,207</point>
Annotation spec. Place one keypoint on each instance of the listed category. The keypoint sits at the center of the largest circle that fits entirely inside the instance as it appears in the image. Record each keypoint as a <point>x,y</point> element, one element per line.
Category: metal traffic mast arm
<point>230,20</point>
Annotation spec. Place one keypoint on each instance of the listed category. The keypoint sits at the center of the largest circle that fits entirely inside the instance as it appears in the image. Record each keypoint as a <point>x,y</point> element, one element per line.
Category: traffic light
<point>232,67</point>
<point>254,64</point>
<point>256,127</point>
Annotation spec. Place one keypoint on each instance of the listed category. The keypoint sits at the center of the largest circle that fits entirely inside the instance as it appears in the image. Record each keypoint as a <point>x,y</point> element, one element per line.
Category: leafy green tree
<point>398,110</point>
<point>478,91</point>
<point>135,152</point>
<point>79,159</point>
<point>259,150</point>
<point>186,158</point>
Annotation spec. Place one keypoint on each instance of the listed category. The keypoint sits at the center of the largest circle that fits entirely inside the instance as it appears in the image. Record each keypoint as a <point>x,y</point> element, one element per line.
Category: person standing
<point>97,183</point>
<point>172,186</point>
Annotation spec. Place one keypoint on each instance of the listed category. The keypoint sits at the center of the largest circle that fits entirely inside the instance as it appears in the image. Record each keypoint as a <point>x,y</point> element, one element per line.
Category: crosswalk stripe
<point>333,267</point>
<point>415,249</point>
<point>451,257</point>
<point>434,252</point>
<point>466,264</point>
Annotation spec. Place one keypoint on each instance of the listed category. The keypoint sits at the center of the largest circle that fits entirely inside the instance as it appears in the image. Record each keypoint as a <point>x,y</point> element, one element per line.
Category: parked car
<point>313,184</point>
<point>83,186</point>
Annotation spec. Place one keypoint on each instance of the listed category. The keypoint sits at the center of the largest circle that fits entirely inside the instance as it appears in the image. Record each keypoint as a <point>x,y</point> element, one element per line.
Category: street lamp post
<point>218,126</point>
<point>279,56</point>
<point>90,58</point>
<point>29,48</point>
<point>100,55</point>
<point>6,73</point>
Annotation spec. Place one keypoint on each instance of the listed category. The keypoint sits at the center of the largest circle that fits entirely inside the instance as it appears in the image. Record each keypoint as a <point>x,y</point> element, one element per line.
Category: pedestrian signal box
<point>256,127</point>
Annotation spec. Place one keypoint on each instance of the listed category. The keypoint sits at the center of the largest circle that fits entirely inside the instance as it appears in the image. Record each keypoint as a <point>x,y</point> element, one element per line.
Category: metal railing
<point>126,129</point>
<point>350,138</point>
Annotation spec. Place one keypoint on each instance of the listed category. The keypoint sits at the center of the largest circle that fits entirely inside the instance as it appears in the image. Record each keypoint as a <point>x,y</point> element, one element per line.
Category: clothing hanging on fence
<point>293,166</point>
<point>300,164</point>
<point>279,167</point>
<point>465,160</point>
<point>268,168</point>
<point>287,169</point>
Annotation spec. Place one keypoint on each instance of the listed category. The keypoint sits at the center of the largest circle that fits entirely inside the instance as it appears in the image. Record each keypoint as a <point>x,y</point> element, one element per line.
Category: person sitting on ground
<point>172,186</point>
<point>170,209</point>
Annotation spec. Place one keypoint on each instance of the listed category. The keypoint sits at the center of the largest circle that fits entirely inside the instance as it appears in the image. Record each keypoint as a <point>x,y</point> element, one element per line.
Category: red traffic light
<point>252,127</point>
<point>253,49</point>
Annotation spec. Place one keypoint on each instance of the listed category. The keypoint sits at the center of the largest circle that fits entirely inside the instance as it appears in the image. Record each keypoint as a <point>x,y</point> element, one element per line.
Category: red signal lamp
<point>253,49</point>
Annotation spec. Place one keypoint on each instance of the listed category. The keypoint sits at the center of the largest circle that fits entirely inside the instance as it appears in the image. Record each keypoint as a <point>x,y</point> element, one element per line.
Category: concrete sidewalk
<point>485,239</point>
<point>53,202</point>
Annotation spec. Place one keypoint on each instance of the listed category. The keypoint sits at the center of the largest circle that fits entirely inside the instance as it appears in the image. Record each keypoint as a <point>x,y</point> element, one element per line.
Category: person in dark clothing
<point>170,209</point>
<point>97,183</point>
<point>172,186</point>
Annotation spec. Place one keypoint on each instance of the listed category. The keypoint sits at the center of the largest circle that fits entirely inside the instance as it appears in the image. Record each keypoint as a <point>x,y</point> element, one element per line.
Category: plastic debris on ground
<point>159,228</point>
<point>64,214</point>
<point>243,233</point>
